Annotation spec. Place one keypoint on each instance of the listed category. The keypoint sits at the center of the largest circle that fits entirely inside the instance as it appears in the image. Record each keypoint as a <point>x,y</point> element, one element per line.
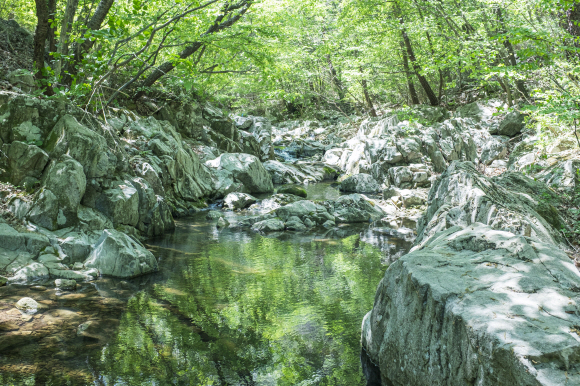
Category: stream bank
<point>86,202</point>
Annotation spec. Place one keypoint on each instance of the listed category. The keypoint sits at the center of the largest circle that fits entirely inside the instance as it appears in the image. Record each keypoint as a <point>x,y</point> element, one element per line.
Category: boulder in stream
<point>118,255</point>
<point>476,306</point>
<point>246,169</point>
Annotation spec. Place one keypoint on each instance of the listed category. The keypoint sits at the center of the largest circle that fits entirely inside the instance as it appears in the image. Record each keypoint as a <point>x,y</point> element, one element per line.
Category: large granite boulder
<point>118,255</point>
<point>86,146</point>
<point>512,202</point>
<point>56,204</point>
<point>512,124</point>
<point>22,164</point>
<point>354,208</point>
<point>246,169</point>
<point>476,306</point>
<point>360,183</point>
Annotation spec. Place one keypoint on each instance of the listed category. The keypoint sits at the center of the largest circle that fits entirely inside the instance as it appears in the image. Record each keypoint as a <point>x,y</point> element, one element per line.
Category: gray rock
<point>22,79</point>
<point>66,285</point>
<point>27,305</point>
<point>116,254</point>
<point>300,172</point>
<point>270,225</point>
<point>235,201</point>
<point>120,204</point>
<point>411,198</point>
<point>512,124</point>
<point>410,148</point>
<point>89,148</point>
<point>305,210</point>
<point>421,179</point>
<point>354,208</point>
<point>360,183</point>
<point>295,224</point>
<point>56,206</point>
<point>462,196</point>
<point>222,223</point>
<point>294,190</point>
<point>401,176</point>
<point>29,273</point>
<point>246,169</point>
<point>475,306</point>
<point>76,246</point>
<point>23,161</point>
<point>493,150</point>
<point>479,111</point>
<point>223,183</point>
<point>91,220</point>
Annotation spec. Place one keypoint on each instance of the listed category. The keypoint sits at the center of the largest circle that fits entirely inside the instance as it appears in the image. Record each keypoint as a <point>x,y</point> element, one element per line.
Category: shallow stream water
<point>226,308</point>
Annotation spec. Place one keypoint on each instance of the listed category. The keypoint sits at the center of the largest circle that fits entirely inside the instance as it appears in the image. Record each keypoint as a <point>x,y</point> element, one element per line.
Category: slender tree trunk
<point>80,50</point>
<point>411,55</point>
<point>511,55</point>
<point>67,20</point>
<point>52,26</point>
<point>372,110</point>
<point>572,20</point>
<point>428,35</point>
<point>40,36</point>
<point>335,79</point>
<point>410,85</point>
<point>422,80</point>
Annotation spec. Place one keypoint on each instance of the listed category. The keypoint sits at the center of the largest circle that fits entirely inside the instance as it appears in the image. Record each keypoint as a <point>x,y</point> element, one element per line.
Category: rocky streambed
<point>303,219</point>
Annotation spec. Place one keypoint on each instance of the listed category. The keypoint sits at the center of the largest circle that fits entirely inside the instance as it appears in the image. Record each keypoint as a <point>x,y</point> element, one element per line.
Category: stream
<point>227,307</point>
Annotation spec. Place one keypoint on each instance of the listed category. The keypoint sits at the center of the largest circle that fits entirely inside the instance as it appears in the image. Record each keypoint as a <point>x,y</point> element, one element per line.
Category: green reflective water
<point>226,308</point>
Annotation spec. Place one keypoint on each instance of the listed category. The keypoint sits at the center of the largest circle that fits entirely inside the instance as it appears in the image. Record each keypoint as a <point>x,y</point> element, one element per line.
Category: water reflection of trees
<point>260,312</point>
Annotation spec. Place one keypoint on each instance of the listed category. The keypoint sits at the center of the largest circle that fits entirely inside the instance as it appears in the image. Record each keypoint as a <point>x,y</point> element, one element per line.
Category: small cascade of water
<point>286,154</point>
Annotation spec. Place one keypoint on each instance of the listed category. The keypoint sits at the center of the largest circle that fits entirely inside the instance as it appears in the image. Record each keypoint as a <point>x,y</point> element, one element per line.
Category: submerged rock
<point>27,305</point>
<point>293,190</point>
<point>65,284</point>
<point>222,223</point>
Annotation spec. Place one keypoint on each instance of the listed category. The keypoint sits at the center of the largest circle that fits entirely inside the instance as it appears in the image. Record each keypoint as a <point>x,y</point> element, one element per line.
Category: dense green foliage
<point>307,56</point>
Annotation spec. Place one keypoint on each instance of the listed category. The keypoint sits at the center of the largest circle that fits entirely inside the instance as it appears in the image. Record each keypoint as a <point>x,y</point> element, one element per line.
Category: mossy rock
<point>293,189</point>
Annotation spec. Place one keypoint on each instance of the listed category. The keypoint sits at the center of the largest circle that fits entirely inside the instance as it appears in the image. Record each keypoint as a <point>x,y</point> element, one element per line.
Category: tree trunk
<point>368,99</point>
<point>337,83</point>
<point>572,20</point>
<point>411,57</point>
<point>511,55</point>
<point>62,49</point>
<point>422,80</point>
<point>40,36</point>
<point>52,26</point>
<point>80,50</point>
<point>410,85</point>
